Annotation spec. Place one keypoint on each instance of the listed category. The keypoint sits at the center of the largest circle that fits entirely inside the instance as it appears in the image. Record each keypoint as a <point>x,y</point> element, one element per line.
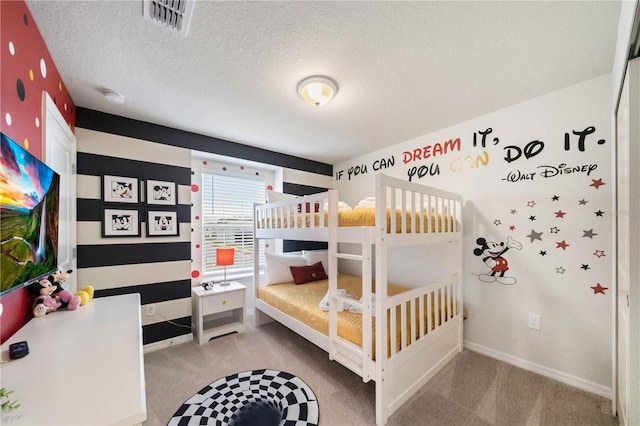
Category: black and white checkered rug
<point>258,397</point>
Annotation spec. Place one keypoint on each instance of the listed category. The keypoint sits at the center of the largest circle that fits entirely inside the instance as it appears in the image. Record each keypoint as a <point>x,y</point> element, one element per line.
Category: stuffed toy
<point>50,296</point>
<point>85,294</point>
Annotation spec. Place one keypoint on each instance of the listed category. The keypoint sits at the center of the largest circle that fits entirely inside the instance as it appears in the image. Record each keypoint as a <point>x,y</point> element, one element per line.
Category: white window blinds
<point>227,220</point>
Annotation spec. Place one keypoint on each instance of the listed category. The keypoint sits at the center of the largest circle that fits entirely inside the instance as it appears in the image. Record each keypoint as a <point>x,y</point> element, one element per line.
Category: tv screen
<point>29,202</point>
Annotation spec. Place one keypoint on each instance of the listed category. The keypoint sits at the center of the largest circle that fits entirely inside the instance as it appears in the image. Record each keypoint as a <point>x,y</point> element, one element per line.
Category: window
<point>227,220</point>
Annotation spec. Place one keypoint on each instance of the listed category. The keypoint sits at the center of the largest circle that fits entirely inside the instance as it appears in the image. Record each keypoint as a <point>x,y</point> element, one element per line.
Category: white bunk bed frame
<point>409,367</point>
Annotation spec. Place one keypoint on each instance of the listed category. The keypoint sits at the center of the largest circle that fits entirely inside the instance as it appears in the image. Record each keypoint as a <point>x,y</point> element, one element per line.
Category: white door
<point>628,237</point>
<point>59,153</point>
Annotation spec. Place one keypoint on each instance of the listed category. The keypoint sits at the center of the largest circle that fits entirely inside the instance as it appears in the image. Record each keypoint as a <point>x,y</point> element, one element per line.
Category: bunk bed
<point>425,320</point>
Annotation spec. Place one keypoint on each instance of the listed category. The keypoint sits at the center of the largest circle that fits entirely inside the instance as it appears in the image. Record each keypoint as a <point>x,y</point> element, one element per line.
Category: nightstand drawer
<point>222,302</point>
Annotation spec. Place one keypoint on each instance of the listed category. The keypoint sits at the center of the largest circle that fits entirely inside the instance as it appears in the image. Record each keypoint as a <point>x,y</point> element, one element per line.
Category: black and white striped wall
<point>156,267</point>
<point>159,268</point>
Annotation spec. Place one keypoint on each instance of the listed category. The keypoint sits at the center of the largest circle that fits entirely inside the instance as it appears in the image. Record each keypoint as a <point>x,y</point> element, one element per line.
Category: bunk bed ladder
<point>355,357</point>
<point>341,350</point>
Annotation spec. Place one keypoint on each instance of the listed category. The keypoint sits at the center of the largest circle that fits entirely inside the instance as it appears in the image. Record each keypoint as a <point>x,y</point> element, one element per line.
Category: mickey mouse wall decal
<point>492,253</point>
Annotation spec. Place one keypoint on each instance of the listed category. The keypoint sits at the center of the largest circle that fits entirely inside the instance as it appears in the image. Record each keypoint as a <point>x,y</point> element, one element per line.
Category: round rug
<point>258,397</point>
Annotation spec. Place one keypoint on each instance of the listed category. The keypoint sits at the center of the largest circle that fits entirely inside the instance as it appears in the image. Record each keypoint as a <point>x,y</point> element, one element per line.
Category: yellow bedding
<point>367,217</point>
<point>302,302</point>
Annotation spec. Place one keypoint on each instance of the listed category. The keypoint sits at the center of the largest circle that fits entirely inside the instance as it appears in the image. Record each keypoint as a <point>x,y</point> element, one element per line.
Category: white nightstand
<point>218,311</point>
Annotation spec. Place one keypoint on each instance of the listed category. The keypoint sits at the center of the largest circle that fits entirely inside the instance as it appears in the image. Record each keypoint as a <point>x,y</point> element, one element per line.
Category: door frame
<point>53,123</point>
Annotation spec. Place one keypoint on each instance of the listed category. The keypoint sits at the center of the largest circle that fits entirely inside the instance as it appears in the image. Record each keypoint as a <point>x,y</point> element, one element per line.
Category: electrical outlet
<point>151,309</point>
<point>534,322</point>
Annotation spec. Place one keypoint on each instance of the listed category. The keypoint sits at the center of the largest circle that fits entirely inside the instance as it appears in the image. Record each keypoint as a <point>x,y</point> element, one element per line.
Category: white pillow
<point>275,196</point>
<point>342,206</point>
<point>278,267</point>
<point>366,203</point>
<point>315,256</point>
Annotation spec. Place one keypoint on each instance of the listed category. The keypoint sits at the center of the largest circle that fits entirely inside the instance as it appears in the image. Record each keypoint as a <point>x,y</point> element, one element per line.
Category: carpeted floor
<point>471,390</point>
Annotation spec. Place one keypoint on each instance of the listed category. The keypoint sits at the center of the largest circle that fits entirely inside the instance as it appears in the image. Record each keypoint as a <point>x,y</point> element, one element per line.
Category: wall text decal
<point>432,169</point>
<point>545,171</point>
<point>481,139</point>
<point>535,147</point>
<point>377,165</point>
<point>468,162</point>
<point>484,134</point>
<point>429,151</point>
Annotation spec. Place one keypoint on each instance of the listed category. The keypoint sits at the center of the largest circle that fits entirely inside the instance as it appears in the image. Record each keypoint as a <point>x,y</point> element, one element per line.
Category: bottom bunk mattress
<point>302,302</point>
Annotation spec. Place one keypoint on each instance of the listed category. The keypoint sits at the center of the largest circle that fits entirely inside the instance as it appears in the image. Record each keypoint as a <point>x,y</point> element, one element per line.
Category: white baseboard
<point>568,379</point>
<point>156,346</point>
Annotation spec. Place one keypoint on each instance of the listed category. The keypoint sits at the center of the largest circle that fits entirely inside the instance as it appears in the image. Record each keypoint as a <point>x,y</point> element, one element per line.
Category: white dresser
<point>84,367</point>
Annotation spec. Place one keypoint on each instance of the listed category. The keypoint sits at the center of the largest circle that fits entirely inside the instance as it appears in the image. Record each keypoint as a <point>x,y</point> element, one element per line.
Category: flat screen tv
<point>29,205</point>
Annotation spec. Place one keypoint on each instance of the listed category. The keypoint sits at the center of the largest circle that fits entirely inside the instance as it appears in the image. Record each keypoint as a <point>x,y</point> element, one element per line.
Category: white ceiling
<point>404,69</point>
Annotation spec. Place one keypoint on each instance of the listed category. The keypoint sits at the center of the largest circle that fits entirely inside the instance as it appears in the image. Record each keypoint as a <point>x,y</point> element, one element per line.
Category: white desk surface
<point>84,367</point>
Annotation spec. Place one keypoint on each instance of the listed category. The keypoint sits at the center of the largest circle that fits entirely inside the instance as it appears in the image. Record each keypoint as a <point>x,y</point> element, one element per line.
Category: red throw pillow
<point>305,274</point>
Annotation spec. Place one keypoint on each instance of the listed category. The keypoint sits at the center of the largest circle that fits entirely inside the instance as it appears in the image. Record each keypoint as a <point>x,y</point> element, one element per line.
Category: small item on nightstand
<point>18,350</point>
<point>208,285</point>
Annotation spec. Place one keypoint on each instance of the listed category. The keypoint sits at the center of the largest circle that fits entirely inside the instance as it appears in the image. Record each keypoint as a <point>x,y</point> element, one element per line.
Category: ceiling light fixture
<point>317,89</point>
<point>113,97</point>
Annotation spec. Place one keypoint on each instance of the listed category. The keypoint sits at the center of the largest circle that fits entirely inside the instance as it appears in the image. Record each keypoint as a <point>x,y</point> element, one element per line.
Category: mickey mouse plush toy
<point>50,296</point>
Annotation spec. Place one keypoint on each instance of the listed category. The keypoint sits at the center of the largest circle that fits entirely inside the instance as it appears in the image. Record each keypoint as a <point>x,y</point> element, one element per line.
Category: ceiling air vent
<point>174,14</point>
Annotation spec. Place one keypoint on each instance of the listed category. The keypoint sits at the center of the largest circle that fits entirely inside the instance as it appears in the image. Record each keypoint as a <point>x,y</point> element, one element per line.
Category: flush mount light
<point>317,89</point>
<point>113,97</point>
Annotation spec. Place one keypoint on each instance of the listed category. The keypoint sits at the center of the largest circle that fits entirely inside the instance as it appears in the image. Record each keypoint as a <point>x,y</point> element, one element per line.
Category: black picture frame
<point>119,189</point>
<point>160,193</point>
<point>120,223</point>
<point>162,223</point>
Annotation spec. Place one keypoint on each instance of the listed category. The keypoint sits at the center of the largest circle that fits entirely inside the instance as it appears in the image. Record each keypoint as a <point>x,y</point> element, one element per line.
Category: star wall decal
<point>554,230</point>
<point>532,218</point>
<point>599,213</point>
<point>497,222</point>
<point>562,244</point>
<point>560,270</point>
<point>512,227</point>
<point>599,289</point>
<point>560,214</point>
<point>588,233</point>
<point>543,252</point>
<point>555,198</point>
<point>599,253</point>
<point>531,203</point>
<point>597,183</point>
<point>582,202</point>
<point>585,266</point>
<point>514,211</point>
<point>535,236</point>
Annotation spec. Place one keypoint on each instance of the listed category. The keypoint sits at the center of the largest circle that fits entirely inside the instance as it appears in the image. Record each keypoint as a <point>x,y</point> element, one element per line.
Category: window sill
<point>216,278</point>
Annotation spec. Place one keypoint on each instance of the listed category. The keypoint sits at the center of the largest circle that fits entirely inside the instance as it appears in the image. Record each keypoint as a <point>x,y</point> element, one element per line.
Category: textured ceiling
<point>404,69</point>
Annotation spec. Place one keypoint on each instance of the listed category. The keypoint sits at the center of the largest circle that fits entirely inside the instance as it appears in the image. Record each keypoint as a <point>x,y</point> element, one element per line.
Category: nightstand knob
<point>224,302</point>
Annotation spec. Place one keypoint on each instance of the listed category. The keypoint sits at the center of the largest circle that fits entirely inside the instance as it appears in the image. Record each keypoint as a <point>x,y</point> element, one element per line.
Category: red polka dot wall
<point>27,70</point>
<point>195,273</point>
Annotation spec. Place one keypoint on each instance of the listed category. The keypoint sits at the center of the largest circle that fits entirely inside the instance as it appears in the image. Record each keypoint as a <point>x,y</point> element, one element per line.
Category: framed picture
<point>120,223</point>
<point>161,193</point>
<point>119,189</point>
<point>162,223</point>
